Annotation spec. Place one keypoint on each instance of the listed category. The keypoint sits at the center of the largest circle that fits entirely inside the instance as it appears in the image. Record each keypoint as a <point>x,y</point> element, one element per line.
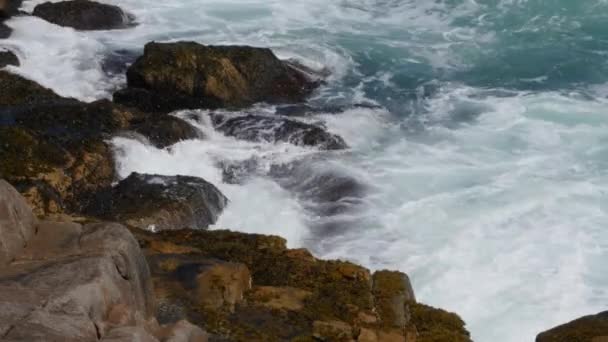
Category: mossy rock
<point>16,90</point>
<point>586,329</point>
<point>202,76</point>
<point>436,325</point>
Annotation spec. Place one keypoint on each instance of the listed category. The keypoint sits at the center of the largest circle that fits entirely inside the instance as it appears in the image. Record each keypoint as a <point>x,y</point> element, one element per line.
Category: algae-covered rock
<point>84,15</point>
<point>158,203</point>
<point>16,90</point>
<point>436,325</point>
<point>392,292</point>
<point>592,328</point>
<point>198,281</point>
<point>202,76</point>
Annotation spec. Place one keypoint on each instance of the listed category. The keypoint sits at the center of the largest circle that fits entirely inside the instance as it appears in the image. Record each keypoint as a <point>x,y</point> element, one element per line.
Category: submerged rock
<point>592,328</point>
<point>165,130</point>
<point>8,58</point>
<point>276,129</point>
<point>189,75</point>
<point>158,203</point>
<point>84,15</point>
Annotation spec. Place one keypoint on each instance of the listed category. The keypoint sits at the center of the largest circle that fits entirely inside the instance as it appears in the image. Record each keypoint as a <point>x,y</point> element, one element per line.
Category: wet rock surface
<point>261,128</point>
<point>7,57</point>
<point>84,15</point>
<point>160,203</point>
<point>593,328</point>
<point>190,75</point>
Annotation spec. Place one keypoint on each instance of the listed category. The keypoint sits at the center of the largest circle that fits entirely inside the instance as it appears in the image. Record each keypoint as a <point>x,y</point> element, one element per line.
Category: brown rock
<point>367,335</point>
<point>592,328</point>
<point>201,76</point>
<point>392,290</point>
<point>209,283</point>
<point>282,298</point>
<point>332,331</point>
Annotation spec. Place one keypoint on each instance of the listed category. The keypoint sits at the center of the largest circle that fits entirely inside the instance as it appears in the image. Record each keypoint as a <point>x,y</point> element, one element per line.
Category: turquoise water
<point>479,129</point>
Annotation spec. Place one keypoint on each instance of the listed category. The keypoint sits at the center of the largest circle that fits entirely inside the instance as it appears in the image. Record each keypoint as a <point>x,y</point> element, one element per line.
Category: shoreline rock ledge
<point>86,280</point>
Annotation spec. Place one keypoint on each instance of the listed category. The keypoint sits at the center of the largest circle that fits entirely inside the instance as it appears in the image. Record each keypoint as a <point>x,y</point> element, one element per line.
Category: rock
<point>9,8</point>
<point>66,293</point>
<point>165,130</point>
<point>392,291</point>
<point>69,282</point>
<point>17,223</point>
<point>16,90</point>
<point>5,31</point>
<point>200,282</point>
<point>332,331</point>
<point>190,75</point>
<point>280,298</point>
<point>592,328</point>
<point>8,58</point>
<point>436,325</point>
<point>58,147</point>
<point>276,129</point>
<point>158,203</point>
<point>83,15</point>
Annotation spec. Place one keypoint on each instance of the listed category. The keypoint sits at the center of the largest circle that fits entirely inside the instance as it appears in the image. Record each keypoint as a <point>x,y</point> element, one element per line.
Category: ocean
<point>478,134</point>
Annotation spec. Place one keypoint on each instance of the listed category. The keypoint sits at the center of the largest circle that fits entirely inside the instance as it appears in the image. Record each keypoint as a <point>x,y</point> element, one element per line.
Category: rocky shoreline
<point>68,274</point>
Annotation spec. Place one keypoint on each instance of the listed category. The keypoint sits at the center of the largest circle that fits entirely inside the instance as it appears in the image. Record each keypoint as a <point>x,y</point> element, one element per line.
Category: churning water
<point>478,133</point>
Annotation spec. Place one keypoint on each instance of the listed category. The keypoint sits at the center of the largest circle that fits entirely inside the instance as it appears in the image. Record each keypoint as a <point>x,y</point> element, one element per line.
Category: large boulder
<point>276,129</point>
<point>158,203</point>
<point>189,75</point>
<point>62,281</point>
<point>84,15</point>
<point>592,328</point>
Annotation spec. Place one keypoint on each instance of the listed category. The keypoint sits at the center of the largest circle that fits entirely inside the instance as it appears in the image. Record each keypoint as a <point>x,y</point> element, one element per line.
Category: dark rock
<point>160,203</point>
<point>9,8</point>
<point>16,90</point>
<point>8,58</point>
<point>236,172</point>
<point>56,149</point>
<point>156,102</point>
<point>5,31</point>
<point>199,76</point>
<point>276,129</point>
<point>165,130</point>
<point>586,329</point>
<point>83,15</point>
